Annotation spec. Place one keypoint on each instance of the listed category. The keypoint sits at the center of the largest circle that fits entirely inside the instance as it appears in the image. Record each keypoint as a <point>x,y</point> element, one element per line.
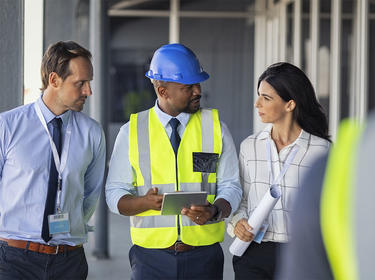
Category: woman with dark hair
<point>279,155</point>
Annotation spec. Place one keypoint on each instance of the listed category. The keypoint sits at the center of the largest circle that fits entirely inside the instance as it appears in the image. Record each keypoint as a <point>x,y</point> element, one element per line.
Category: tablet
<point>174,202</point>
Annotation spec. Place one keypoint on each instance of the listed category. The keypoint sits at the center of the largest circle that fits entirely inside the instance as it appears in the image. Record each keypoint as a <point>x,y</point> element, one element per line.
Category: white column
<point>33,49</point>
<point>314,31</point>
<point>270,41</point>
<point>362,56</point>
<point>334,102</point>
<point>275,34</point>
<point>174,21</point>
<point>259,52</point>
<point>297,32</point>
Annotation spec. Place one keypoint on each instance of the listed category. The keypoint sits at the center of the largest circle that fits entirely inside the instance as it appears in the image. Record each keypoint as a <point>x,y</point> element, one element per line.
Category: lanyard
<point>288,161</point>
<point>60,165</point>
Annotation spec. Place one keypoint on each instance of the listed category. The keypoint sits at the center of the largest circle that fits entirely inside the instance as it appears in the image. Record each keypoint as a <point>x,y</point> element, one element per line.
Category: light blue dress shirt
<point>121,175</point>
<point>25,158</point>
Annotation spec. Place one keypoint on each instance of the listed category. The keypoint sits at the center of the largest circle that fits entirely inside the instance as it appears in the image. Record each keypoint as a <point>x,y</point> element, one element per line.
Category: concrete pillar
<point>98,107</point>
<point>174,21</point>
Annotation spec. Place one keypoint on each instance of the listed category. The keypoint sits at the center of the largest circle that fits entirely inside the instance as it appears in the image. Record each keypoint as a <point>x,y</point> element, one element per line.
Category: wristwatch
<point>218,215</point>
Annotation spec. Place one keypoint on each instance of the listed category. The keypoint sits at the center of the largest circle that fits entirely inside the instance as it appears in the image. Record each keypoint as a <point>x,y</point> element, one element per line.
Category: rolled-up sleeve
<point>228,182</point>
<point>241,213</point>
<point>120,179</point>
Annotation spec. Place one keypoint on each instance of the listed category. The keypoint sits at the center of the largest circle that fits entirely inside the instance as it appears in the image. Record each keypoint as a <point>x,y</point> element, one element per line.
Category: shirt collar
<point>302,140</point>
<point>48,115</point>
<point>165,118</point>
<point>265,133</point>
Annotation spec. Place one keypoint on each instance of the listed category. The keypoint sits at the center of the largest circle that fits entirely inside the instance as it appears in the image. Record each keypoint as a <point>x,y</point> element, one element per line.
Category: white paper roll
<point>257,218</point>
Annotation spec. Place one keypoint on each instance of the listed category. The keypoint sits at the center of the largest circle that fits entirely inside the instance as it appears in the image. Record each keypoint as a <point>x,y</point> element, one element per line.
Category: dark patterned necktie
<point>52,182</point>
<point>175,138</point>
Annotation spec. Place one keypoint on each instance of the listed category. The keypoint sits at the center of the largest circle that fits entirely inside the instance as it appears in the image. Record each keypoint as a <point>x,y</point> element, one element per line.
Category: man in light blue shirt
<point>42,164</point>
<point>192,249</point>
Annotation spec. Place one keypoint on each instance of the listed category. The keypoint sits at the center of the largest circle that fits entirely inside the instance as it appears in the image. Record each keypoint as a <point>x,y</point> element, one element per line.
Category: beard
<point>193,106</point>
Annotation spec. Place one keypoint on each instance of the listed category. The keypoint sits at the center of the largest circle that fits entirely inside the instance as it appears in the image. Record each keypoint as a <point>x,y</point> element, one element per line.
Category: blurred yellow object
<point>337,203</point>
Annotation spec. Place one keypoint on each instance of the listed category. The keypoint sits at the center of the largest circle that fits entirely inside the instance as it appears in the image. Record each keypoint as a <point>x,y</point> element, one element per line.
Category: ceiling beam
<point>127,4</point>
<point>186,14</point>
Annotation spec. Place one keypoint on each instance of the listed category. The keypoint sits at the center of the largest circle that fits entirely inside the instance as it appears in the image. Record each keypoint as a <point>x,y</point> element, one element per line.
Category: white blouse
<point>256,178</point>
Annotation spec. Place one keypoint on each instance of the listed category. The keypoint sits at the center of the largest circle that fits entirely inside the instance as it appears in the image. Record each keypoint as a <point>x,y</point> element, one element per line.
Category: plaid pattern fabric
<point>256,178</point>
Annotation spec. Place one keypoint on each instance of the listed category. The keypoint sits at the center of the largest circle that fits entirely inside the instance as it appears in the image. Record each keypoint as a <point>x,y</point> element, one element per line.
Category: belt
<point>38,247</point>
<point>181,247</point>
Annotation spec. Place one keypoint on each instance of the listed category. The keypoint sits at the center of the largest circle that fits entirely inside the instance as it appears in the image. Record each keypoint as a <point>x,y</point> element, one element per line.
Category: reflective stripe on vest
<point>337,202</point>
<point>152,157</point>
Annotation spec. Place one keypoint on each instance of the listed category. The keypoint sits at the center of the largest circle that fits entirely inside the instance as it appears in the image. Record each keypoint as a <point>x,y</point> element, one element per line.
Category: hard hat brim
<point>196,79</point>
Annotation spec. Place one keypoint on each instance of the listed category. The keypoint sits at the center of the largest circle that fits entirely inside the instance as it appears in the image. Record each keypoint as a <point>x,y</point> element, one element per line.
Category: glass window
<point>217,5</point>
<point>132,45</point>
<point>133,42</point>
<point>289,32</point>
<point>347,55</point>
<point>131,90</point>
<point>306,37</point>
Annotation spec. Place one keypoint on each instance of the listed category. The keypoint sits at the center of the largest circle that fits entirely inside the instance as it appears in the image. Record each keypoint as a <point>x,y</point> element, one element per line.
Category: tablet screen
<point>174,202</point>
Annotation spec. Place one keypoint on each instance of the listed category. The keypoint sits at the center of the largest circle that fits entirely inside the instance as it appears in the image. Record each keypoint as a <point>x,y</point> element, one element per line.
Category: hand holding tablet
<point>174,202</point>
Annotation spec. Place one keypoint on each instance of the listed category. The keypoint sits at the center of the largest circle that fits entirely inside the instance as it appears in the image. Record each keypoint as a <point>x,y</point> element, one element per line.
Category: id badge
<point>259,237</point>
<point>58,223</point>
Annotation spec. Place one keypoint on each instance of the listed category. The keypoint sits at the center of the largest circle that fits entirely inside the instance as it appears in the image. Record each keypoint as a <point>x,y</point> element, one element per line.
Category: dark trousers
<point>258,261</point>
<point>205,262</point>
<point>23,264</point>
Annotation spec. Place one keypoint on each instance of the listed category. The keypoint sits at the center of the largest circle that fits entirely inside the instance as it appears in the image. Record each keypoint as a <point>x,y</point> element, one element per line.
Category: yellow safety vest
<point>337,203</point>
<point>152,157</point>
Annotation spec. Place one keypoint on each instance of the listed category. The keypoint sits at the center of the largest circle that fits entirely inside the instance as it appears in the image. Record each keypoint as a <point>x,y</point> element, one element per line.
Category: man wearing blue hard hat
<point>175,146</point>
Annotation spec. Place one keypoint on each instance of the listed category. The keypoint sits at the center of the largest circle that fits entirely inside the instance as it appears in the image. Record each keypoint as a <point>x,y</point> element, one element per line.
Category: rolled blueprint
<point>257,218</point>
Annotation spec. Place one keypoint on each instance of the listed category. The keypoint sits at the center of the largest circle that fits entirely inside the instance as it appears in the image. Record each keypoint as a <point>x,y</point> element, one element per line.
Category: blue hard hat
<point>176,63</point>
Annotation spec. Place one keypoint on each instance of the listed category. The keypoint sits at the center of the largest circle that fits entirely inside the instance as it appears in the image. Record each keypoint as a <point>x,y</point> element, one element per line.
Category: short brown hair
<point>57,57</point>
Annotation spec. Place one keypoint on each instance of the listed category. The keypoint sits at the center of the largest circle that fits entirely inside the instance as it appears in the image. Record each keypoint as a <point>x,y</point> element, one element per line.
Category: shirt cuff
<point>232,223</point>
<point>114,199</point>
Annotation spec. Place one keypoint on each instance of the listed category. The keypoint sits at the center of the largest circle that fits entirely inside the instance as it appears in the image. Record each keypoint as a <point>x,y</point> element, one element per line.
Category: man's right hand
<point>130,205</point>
<point>153,200</point>
<point>242,231</point>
